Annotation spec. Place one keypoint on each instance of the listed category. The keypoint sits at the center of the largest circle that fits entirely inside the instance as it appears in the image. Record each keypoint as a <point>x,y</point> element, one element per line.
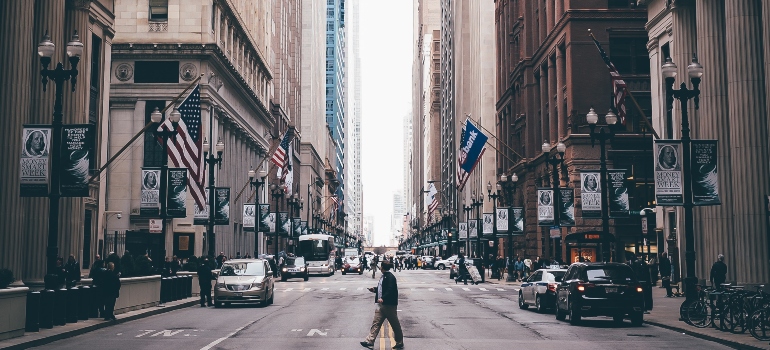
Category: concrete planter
<point>13,303</point>
<point>138,293</point>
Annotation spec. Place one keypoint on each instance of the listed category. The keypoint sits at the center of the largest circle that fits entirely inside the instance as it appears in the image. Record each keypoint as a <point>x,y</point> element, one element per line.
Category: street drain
<point>446,302</point>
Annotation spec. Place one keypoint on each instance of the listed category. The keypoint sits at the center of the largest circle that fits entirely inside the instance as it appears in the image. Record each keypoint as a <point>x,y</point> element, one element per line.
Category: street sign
<point>555,232</point>
<point>156,226</point>
<point>644,225</point>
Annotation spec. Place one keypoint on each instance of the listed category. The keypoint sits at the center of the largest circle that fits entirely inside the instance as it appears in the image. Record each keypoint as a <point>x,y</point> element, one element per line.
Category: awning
<point>589,237</point>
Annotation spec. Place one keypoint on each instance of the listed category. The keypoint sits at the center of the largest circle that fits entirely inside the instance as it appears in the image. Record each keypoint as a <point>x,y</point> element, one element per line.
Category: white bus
<point>318,251</point>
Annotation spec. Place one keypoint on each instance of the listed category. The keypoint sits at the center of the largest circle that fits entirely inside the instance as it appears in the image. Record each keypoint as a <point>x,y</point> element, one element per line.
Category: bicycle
<point>759,321</point>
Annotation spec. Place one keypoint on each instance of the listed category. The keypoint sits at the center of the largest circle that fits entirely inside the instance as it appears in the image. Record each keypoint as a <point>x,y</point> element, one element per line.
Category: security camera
<point>120,215</point>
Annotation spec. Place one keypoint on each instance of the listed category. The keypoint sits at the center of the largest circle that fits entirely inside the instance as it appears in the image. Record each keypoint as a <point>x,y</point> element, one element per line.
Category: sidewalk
<point>45,336</point>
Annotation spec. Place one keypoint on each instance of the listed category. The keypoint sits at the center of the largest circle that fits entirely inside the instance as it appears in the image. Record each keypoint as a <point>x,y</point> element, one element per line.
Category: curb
<point>730,343</point>
<point>89,328</point>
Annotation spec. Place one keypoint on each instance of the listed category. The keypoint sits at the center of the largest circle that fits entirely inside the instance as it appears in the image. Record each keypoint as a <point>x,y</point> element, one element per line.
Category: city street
<point>335,313</point>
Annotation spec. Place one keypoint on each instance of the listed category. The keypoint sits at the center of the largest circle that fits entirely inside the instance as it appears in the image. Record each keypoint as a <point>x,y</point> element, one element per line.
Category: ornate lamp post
<point>156,117</point>
<point>59,75</point>
<point>210,161</point>
<point>556,160</point>
<point>603,136</point>
<point>276,192</point>
<point>509,188</point>
<point>256,182</point>
<point>477,202</point>
<point>295,203</point>
<point>494,197</point>
<point>695,71</point>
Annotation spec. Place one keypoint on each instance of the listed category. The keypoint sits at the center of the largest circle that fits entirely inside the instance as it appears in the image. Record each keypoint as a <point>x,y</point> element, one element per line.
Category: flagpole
<point>498,140</point>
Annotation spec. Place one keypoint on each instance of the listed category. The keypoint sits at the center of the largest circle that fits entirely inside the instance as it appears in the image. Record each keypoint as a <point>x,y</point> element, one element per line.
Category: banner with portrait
<point>270,224</point>
<point>462,229</point>
<point>705,179</point>
<point>566,207</point>
<point>304,229</point>
<point>201,216</point>
<point>617,193</point>
<point>502,220</point>
<point>517,220</point>
<point>76,151</point>
<point>488,224</point>
<point>283,224</point>
<point>222,207</point>
<point>35,151</point>
<point>668,173</point>
<point>149,204</point>
<point>545,212</point>
<point>264,215</point>
<point>473,230</point>
<point>249,218</point>
<point>296,227</point>
<point>591,193</point>
<point>176,193</point>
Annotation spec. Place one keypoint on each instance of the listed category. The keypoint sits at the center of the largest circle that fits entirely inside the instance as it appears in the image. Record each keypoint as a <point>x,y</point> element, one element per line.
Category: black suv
<point>600,289</point>
<point>295,267</point>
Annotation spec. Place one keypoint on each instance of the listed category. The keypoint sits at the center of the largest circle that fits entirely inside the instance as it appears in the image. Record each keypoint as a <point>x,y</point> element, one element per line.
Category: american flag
<point>619,91</point>
<point>279,157</point>
<point>185,148</point>
<point>431,199</point>
<point>462,175</point>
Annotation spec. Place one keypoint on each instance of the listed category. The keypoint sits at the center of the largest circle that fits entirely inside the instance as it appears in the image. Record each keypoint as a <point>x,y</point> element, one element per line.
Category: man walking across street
<point>664,266</point>
<point>718,272</point>
<point>204,281</point>
<point>386,298</point>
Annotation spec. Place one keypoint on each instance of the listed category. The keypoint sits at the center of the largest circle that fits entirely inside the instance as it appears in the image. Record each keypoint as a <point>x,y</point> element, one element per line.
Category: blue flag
<point>472,143</point>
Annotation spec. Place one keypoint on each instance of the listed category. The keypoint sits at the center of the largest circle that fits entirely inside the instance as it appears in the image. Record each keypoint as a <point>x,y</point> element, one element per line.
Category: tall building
<point>354,203</point>
<point>731,41</point>
<point>396,218</point>
<point>369,230</point>
<point>408,142</point>
<point>335,87</point>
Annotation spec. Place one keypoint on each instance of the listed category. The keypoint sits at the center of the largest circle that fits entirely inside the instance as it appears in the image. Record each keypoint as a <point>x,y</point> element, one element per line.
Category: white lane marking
<point>315,331</point>
<point>120,333</point>
<point>500,289</point>
<point>414,289</point>
<point>324,288</point>
<point>360,288</point>
<point>214,343</point>
<point>467,289</point>
<point>288,290</point>
<point>167,333</point>
<point>343,288</point>
<point>307,289</point>
<point>448,289</point>
<point>483,289</point>
<point>146,331</point>
<point>431,289</point>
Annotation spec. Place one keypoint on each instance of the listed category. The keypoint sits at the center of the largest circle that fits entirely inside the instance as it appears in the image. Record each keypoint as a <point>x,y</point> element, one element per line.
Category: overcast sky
<point>386,76</point>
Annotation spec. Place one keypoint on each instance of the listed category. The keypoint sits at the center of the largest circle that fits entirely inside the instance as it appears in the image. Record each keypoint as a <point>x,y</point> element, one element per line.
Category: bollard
<point>45,318</point>
<point>33,312</point>
<point>60,307</point>
<point>94,293</point>
<point>174,287</point>
<point>84,305</point>
<point>177,288</point>
<point>165,289</point>
<point>188,286</point>
<point>72,304</point>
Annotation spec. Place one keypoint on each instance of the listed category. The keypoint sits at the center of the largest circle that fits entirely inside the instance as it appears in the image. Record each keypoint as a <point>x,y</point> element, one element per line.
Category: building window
<point>330,27</point>
<point>330,2</point>
<point>330,13</point>
<point>329,65</point>
<point>159,10</point>
<point>330,51</point>
<point>329,106</point>
<point>329,80</point>
<point>156,72</point>
<point>629,55</point>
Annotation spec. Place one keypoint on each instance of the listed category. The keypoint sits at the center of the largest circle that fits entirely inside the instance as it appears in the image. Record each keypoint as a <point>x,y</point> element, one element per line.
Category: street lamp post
<point>603,135</point>
<point>295,203</point>
<point>276,192</point>
<point>683,94</point>
<point>156,117</point>
<point>556,160</point>
<point>467,210</point>
<point>256,182</point>
<point>210,161</point>
<point>494,197</point>
<point>509,188</point>
<point>59,75</point>
<point>477,202</point>
<point>107,214</point>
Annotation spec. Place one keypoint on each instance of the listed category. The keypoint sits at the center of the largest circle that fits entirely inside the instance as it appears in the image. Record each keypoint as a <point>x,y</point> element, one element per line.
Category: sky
<point>386,79</point>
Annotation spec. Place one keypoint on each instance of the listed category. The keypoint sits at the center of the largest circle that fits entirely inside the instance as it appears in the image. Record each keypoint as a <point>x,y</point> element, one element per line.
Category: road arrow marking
<point>146,331</point>
<point>314,332</point>
<point>500,289</point>
<point>167,333</point>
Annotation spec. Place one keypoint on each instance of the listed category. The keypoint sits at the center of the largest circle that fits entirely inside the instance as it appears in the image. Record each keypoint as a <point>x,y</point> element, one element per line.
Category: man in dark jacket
<point>110,287</point>
<point>204,281</point>
<point>73,271</point>
<point>664,267</point>
<point>462,270</point>
<point>718,272</point>
<point>386,298</point>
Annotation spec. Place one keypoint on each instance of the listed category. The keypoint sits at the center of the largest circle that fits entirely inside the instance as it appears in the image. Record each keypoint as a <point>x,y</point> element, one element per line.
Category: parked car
<point>540,289</point>
<point>244,281</point>
<point>600,289</point>
<point>295,267</point>
<point>352,266</point>
<point>442,264</point>
<point>454,270</point>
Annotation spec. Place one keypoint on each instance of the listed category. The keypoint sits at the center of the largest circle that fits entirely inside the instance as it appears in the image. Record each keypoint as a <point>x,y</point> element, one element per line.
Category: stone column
<point>49,16</point>
<point>683,21</point>
<point>16,67</point>
<point>748,137</point>
<point>711,223</point>
<point>553,117</point>
<point>549,14</point>
<point>561,105</point>
<point>542,102</point>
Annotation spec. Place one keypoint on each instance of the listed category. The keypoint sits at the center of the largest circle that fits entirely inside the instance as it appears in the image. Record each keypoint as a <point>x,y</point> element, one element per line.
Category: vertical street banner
<point>76,144</point>
<point>705,179</point>
<point>489,221</point>
<point>149,204</point>
<point>668,173</point>
<point>462,229</point>
<point>201,216</point>
<point>283,224</point>
<point>222,207</point>
<point>502,220</point>
<point>567,207</point>
<point>473,230</point>
<point>271,226</point>
<point>303,227</point>
<point>264,216</point>
<point>34,160</point>
<point>617,193</point>
<point>296,227</point>
<point>517,220</point>
<point>176,193</point>
<point>591,194</point>
<point>249,218</point>
<point>545,207</point>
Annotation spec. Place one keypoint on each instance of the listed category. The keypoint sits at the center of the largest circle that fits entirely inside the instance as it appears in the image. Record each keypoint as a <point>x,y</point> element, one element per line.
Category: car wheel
<point>560,315</point>
<point>574,315</point>
<point>272,297</point>
<point>637,319</point>
<point>441,266</point>
<point>522,304</point>
<point>343,272</point>
<point>217,304</point>
<point>283,278</point>
<point>539,304</point>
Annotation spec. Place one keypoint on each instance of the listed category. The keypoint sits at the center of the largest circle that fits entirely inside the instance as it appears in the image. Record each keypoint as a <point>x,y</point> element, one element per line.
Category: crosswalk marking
<point>431,289</point>
<point>343,288</point>
<point>500,289</point>
<point>414,289</point>
<point>483,289</point>
<point>307,289</point>
<point>448,289</point>
<point>288,289</point>
<point>467,289</point>
<point>324,288</point>
<point>360,288</point>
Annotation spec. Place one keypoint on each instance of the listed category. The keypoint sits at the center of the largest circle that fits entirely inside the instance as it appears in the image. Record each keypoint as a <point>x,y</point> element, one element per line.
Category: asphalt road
<point>336,312</point>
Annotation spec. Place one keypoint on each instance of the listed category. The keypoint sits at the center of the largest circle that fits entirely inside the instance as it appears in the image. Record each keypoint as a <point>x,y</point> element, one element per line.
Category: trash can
<point>164,284</point>
<point>95,294</point>
<point>188,286</point>
<point>45,316</point>
<point>33,312</point>
<point>73,304</point>
<point>84,305</point>
<point>60,307</point>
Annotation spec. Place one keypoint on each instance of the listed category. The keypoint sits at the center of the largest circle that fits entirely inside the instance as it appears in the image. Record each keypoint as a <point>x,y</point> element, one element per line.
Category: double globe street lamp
<point>603,135</point>
<point>164,134</point>
<point>509,189</point>
<point>210,161</point>
<point>256,182</point>
<point>556,160</point>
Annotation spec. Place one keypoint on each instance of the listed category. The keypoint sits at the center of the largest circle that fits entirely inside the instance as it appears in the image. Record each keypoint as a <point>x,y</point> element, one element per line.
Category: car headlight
<point>302,269</point>
<point>221,285</point>
<point>257,285</point>
<point>284,269</point>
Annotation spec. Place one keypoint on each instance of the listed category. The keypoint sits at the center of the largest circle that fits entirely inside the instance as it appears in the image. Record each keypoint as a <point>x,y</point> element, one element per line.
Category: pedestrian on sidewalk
<point>73,271</point>
<point>500,266</point>
<point>518,268</point>
<point>462,270</point>
<point>664,267</point>
<point>386,298</point>
<point>204,282</point>
<point>110,287</point>
<point>718,272</point>
<point>374,265</point>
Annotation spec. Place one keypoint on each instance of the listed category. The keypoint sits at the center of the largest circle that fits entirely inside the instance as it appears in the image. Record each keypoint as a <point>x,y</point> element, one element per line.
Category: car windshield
<point>554,276</point>
<point>295,261</point>
<point>610,274</point>
<point>353,261</point>
<point>242,269</point>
